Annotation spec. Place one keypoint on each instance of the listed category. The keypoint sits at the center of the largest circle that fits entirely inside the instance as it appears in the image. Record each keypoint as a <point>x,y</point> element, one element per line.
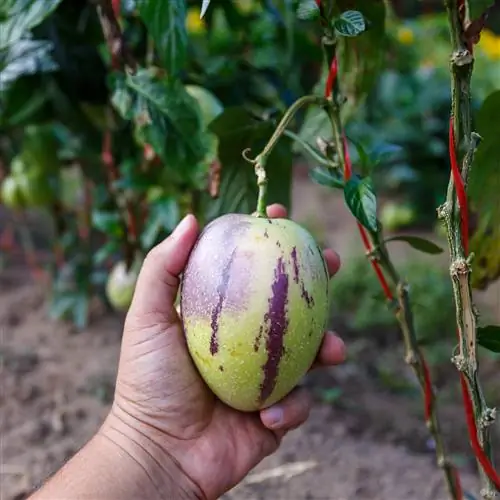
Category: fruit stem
<point>260,172</point>
<point>260,160</point>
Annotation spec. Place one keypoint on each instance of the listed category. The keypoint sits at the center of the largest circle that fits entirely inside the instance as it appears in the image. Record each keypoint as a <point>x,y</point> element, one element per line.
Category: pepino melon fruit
<point>254,304</point>
<point>120,286</point>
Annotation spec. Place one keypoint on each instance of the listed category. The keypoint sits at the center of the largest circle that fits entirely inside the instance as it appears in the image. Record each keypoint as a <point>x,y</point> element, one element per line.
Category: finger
<point>158,281</point>
<point>276,211</point>
<point>289,413</point>
<point>332,261</point>
<point>332,351</point>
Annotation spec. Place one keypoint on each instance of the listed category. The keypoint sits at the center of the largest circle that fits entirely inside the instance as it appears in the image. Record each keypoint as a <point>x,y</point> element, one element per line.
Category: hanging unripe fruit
<point>121,283</point>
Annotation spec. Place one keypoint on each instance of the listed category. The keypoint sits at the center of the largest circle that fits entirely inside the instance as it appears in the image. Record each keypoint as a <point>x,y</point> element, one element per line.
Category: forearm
<point>112,466</point>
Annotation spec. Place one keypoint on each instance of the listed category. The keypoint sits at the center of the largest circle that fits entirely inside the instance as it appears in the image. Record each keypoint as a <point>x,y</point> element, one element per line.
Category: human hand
<point>163,407</point>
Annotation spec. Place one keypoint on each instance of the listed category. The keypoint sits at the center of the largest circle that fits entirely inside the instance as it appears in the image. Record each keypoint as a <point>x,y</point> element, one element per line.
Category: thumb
<point>158,281</point>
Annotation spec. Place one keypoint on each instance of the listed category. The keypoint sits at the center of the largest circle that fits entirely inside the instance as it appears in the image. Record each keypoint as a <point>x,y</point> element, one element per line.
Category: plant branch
<point>454,213</point>
<point>120,55</point>
<point>381,262</point>
<point>318,157</point>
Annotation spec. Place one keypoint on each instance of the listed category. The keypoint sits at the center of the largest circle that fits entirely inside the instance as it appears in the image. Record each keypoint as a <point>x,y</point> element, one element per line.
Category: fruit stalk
<point>381,261</point>
<point>260,160</point>
<point>454,214</point>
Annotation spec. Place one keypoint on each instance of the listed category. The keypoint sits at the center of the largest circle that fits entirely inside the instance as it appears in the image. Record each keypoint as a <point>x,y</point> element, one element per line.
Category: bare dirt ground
<point>56,386</point>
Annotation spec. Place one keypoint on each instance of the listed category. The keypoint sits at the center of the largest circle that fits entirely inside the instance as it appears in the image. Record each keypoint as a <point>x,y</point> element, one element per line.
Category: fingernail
<point>273,416</point>
<point>182,226</point>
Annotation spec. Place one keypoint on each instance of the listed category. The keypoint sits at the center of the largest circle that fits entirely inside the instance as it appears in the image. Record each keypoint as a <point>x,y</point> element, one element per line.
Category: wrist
<point>153,469</point>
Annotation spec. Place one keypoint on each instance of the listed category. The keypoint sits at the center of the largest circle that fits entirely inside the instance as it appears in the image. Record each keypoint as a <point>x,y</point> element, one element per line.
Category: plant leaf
<point>489,337</point>
<point>350,23</point>
<point>19,16</point>
<point>166,22</point>
<point>361,200</point>
<point>204,7</point>
<point>237,130</point>
<point>307,10</point>
<point>418,243</point>
<point>479,7</point>
<point>163,216</point>
<point>26,57</point>
<point>484,181</point>
<point>165,116</point>
<point>328,178</point>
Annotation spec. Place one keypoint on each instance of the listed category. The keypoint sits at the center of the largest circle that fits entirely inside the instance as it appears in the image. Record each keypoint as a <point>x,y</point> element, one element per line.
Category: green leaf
<point>165,116</point>
<point>166,22</point>
<point>81,311</point>
<point>109,223</point>
<point>19,16</point>
<point>164,215</point>
<point>204,7</point>
<point>361,58</point>
<point>328,178</point>
<point>489,337</point>
<point>418,243</point>
<point>308,10</point>
<point>479,7</point>
<point>61,304</point>
<point>237,130</point>
<point>350,23</point>
<point>26,57</point>
<point>484,181</point>
<point>106,251</point>
<point>362,203</point>
<point>384,151</point>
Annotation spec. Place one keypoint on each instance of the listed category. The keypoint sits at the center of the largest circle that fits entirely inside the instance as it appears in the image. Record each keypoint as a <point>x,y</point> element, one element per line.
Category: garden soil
<point>56,386</point>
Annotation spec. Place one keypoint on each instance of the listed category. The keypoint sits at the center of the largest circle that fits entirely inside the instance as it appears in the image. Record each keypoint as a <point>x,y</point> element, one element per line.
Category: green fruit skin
<point>394,216</point>
<point>210,106</point>
<point>36,189</point>
<point>254,304</point>
<point>11,194</point>
<point>120,286</point>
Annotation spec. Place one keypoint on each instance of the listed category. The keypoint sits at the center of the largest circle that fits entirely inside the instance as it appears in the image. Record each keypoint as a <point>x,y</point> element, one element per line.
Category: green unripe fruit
<point>11,195</point>
<point>254,304</point>
<point>36,189</point>
<point>72,184</point>
<point>210,106</point>
<point>121,283</point>
<point>395,216</point>
<point>17,166</point>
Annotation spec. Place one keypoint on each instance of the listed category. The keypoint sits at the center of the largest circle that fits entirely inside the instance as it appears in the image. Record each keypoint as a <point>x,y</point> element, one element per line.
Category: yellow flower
<point>490,44</point>
<point>194,24</point>
<point>405,36</point>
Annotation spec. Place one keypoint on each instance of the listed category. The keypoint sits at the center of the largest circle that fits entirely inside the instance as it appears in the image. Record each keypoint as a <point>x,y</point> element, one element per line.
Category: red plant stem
<point>332,76</point>
<point>347,175</point>
<point>464,222</point>
<point>427,385</point>
<point>116,4</point>
<point>459,188</point>
<point>109,163</point>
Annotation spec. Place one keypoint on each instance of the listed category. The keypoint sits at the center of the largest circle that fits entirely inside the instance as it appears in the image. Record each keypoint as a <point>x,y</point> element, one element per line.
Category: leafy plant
<point>101,128</point>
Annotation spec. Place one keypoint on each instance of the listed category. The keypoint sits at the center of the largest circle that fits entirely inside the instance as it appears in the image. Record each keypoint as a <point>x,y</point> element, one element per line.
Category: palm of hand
<point>160,394</point>
<point>214,445</point>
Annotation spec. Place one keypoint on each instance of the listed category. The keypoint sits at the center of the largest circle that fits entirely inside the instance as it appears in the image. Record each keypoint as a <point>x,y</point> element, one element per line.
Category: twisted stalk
<point>454,214</point>
<point>382,263</point>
